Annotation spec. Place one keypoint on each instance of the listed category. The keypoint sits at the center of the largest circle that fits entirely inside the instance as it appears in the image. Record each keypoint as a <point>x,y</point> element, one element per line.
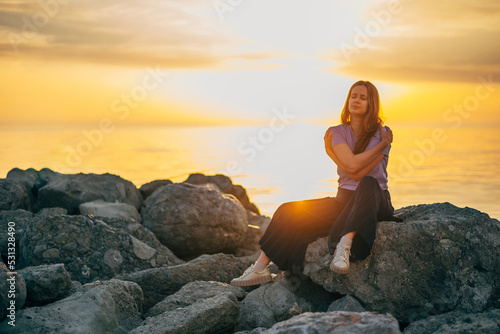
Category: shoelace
<point>342,254</point>
<point>247,272</point>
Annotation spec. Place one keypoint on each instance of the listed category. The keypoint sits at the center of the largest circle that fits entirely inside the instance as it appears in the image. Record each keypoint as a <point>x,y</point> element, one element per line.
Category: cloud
<point>426,41</point>
<point>167,33</point>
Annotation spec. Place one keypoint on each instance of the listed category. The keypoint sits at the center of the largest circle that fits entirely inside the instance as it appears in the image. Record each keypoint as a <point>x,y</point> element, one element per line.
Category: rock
<point>52,189</point>
<point>165,255</point>
<point>46,284</point>
<point>46,212</point>
<point>193,292</point>
<point>347,303</point>
<point>218,314</point>
<point>12,293</point>
<point>225,184</point>
<point>457,322</point>
<point>337,322</point>
<point>193,220</point>
<point>441,258</point>
<point>159,283</point>
<point>149,188</point>
<point>89,248</point>
<point>18,220</point>
<point>101,307</point>
<point>282,299</point>
<point>13,195</point>
<point>99,208</point>
<point>255,229</point>
<point>257,330</point>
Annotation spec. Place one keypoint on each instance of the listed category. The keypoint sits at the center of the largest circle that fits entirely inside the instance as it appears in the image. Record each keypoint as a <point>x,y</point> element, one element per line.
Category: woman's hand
<point>386,136</point>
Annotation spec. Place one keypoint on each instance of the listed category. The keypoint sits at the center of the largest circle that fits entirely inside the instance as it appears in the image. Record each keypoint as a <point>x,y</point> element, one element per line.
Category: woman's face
<point>358,101</point>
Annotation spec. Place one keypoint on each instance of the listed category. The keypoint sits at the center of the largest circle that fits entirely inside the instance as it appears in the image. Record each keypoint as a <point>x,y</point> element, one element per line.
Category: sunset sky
<point>194,62</point>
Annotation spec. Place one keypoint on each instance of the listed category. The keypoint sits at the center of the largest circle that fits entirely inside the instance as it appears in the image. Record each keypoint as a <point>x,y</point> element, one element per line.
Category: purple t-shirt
<point>343,134</point>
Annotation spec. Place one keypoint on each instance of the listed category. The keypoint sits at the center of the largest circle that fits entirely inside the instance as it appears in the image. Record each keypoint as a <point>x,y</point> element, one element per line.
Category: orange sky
<point>195,62</point>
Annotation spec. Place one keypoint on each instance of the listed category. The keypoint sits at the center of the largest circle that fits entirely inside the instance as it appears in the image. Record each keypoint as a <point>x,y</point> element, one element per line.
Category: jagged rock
<point>100,208</point>
<point>159,283</point>
<point>100,307</point>
<point>149,188</point>
<point>282,299</point>
<point>165,255</point>
<point>52,189</point>
<point>193,220</point>
<point>218,314</point>
<point>457,322</point>
<point>13,195</point>
<point>12,293</point>
<point>337,322</point>
<point>440,258</point>
<point>89,248</point>
<point>193,292</point>
<point>257,330</point>
<point>225,184</point>
<point>46,212</point>
<point>18,219</point>
<point>347,303</point>
<point>46,284</point>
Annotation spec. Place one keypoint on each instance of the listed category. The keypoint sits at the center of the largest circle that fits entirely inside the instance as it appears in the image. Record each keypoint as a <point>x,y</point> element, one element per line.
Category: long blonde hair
<point>373,117</point>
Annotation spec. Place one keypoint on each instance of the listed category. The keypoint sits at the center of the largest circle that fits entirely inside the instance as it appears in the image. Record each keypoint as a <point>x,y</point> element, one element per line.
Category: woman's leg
<point>262,262</point>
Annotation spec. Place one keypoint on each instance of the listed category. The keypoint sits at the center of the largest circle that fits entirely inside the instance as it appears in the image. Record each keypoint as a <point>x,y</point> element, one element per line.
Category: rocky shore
<point>89,253</point>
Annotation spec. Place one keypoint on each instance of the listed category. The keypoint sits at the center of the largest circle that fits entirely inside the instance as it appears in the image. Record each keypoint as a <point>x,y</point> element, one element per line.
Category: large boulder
<point>149,188</point>
<point>12,293</point>
<point>100,208</point>
<point>458,322</point>
<point>159,283</point>
<point>89,248</point>
<point>218,314</point>
<point>337,323</point>
<point>52,189</point>
<point>441,258</point>
<point>193,220</point>
<point>46,283</point>
<point>193,292</point>
<point>225,184</point>
<point>287,296</point>
<point>17,220</point>
<point>14,195</point>
<point>99,307</point>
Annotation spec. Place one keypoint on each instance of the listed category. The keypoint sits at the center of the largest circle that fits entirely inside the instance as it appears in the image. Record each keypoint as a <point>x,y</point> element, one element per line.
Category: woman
<point>360,149</point>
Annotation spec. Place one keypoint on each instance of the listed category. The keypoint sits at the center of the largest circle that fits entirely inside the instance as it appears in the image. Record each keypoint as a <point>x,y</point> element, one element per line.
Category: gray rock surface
<point>282,299</point>
<point>100,307</point>
<point>46,212</point>
<point>457,322</point>
<point>337,323</point>
<point>52,189</point>
<point>193,292</point>
<point>12,292</point>
<point>89,248</point>
<point>100,208</point>
<point>440,258</point>
<point>193,220</point>
<point>159,283</point>
<point>20,219</point>
<point>225,184</point>
<point>149,188</point>
<point>14,195</point>
<point>218,314</point>
<point>46,283</point>
<point>347,303</point>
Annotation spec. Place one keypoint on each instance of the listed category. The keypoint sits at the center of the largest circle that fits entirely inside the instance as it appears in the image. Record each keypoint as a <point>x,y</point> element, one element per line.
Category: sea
<point>274,163</point>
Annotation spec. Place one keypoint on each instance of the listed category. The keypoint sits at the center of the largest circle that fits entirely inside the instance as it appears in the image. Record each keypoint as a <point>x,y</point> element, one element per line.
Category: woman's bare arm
<point>358,175</point>
<point>354,163</point>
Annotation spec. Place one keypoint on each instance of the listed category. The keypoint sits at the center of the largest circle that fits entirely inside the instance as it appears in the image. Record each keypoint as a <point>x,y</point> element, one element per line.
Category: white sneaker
<point>340,262</point>
<point>251,277</point>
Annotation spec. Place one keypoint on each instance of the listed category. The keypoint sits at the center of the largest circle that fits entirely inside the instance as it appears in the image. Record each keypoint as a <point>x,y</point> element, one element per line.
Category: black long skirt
<point>296,224</point>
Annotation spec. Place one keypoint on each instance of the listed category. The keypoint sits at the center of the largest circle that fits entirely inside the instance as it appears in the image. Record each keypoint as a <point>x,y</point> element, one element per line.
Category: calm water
<point>275,165</point>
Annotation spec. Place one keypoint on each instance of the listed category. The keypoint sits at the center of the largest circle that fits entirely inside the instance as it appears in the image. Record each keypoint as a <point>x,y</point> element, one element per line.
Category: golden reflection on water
<point>275,165</point>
